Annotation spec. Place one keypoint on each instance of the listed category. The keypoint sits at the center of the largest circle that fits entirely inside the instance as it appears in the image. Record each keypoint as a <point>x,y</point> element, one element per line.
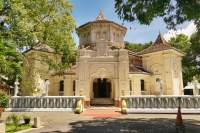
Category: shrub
<point>15,120</point>
<point>27,119</point>
<point>8,119</point>
<point>3,101</point>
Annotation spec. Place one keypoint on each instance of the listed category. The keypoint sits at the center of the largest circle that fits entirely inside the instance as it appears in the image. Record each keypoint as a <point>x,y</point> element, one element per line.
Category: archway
<point>102,88</point>
<point>102,92</point>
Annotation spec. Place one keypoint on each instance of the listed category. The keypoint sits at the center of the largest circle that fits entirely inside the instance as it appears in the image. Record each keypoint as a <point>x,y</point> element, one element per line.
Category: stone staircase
<point>102,101</point>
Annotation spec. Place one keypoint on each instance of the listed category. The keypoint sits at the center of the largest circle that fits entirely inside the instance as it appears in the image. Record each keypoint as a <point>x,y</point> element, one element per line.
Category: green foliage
<point>15,119</point>
<point>3,100</point>
<point>173,12</point>
<point>27,119</point>
<point>136,47</point>
<point>195,40</point>
<point>69,55</point>
<point>25,23</point>
<point>13,123</point>
<point>44,21</point>
<point>10,128</point>
<point>181,42</point>
<point>191,48</point>
<point>9,60</point>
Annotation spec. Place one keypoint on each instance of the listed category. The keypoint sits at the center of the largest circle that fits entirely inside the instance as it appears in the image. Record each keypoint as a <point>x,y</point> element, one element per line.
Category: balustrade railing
<point>162,101</point>
<point>44,102</point>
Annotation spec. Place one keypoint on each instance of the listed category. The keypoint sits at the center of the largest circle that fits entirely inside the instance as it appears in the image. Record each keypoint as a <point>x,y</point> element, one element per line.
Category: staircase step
<point>102,101</point>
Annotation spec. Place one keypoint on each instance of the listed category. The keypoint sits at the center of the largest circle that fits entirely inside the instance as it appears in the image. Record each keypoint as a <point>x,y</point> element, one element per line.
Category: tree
<point>195,40</point>
<point>9,62</point>
<point>136,47</point>
<point>174,12</point>
<point>26,23</point>
<point>181,42</point>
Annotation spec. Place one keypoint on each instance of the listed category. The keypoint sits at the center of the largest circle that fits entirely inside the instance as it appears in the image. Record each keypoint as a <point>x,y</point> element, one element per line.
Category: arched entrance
<point>102,88</point>
<point>102,92</point>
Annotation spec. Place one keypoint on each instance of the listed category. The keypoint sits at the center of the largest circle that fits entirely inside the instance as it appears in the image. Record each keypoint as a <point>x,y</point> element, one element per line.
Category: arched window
<point>142,85</point>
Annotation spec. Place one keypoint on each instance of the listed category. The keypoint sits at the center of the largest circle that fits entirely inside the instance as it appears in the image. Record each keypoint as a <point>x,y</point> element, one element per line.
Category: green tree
<point>9,61</point>
<point>26,23</point>
<point>183,43</point>
<point>173,12</point>
<point>45,21</point>
<point>136,47</point>
<point>195,40</point>
<point>29,22</point>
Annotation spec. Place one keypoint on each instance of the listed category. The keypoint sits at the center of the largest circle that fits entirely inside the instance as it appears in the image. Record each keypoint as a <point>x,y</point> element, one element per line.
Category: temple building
<point>105,70</point>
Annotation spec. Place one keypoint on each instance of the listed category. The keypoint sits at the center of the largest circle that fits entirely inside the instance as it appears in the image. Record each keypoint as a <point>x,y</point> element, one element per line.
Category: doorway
<point>102,88</point>
<point>102,92</point>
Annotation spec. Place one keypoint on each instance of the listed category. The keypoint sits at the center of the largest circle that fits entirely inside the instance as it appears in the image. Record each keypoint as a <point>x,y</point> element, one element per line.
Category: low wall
<point>44,103</point>
<point>2,127</point>
<point>162,104</point>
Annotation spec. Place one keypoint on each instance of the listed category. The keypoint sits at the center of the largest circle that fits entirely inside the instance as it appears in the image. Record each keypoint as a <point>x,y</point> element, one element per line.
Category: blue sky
<point>87,10</point>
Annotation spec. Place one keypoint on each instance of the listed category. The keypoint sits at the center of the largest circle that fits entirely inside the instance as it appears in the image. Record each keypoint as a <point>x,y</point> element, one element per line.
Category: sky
<point>87,10</point>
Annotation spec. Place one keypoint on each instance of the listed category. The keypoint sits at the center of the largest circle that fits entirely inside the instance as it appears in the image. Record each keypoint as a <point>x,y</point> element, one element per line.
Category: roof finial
<point>100,16</point>
<point>160,39</point>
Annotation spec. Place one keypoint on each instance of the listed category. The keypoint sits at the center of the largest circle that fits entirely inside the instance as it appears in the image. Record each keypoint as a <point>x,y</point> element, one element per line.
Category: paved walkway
<point>65,122</point>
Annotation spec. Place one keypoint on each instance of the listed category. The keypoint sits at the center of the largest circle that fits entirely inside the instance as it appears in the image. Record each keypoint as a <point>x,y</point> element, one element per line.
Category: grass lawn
<point>10,128</point>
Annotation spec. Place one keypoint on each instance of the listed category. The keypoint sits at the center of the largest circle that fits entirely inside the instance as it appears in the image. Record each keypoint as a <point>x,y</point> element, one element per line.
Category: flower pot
<point>27,121</point>
<point>1,109</point>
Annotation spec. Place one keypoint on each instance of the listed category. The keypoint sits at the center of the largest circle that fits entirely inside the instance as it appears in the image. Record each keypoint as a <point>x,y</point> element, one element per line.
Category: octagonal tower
<point>102,62</point>
<point>101,30</point>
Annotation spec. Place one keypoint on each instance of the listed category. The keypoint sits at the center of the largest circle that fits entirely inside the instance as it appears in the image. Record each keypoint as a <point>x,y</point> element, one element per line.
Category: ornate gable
<point>159,45</point>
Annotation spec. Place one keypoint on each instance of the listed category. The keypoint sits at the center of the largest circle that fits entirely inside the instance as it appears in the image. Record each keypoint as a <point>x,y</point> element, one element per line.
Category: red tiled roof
<point>137,70</point>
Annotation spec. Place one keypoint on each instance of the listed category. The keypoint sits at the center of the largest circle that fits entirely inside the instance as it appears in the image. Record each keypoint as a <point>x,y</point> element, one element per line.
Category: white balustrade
<point>43,103</point>
<point>160,102</point>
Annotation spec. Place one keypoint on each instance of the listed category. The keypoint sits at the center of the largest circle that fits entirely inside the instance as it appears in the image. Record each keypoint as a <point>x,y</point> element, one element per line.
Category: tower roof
<point>159,45</point>
<point>100,16</point>
<point>161,41</point>
<point>101,19</point>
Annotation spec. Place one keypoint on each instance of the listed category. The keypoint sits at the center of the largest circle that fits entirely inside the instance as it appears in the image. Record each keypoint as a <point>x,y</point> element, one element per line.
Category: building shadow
<point>130,126</point>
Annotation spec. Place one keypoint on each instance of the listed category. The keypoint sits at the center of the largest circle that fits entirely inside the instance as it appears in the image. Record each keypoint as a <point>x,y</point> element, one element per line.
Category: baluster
<point>198,102</point>
<point>74,103</point>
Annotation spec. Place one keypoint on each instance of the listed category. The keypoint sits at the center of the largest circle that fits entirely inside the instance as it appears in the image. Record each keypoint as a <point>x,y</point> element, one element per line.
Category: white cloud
<point>188,30</point>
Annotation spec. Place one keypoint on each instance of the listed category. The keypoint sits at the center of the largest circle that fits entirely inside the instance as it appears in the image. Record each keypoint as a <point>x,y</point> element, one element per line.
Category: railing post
<point>79,106</point>
<point>124,107</point>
